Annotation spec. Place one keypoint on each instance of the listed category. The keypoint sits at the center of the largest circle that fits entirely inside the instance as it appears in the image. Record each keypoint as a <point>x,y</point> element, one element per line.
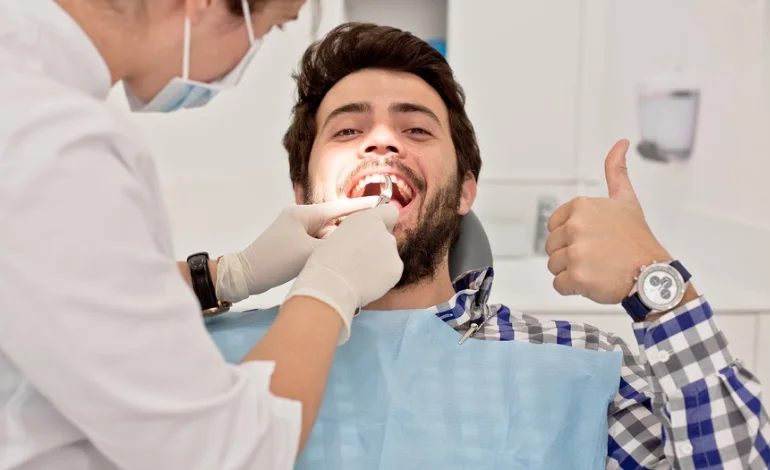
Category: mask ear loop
<point>247,17</point>
<point>186,53</point>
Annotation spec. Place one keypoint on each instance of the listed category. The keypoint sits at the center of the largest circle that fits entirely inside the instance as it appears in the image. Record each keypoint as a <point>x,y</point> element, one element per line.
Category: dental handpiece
<point>387,191</point>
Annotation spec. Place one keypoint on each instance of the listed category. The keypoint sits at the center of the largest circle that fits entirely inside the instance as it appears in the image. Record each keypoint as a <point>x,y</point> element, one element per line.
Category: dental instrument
<point>480,304</point>
<point>387,191</point>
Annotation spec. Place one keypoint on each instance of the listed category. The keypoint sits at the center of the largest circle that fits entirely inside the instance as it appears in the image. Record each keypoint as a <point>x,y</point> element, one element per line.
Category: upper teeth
<point>404,188</point>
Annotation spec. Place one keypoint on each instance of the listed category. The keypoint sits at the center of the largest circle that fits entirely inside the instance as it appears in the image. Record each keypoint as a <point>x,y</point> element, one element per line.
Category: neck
<point>107,31</point>
<point>426,293</point>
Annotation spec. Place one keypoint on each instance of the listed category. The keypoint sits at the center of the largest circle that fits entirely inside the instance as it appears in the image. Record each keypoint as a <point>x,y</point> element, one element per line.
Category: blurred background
<point>551,85</point>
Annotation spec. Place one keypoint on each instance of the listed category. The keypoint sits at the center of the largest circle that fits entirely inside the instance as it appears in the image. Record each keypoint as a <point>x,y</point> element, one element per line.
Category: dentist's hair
<point>357,46</point>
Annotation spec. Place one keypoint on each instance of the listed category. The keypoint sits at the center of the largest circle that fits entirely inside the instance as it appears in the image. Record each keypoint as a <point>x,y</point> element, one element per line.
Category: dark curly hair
<point>352,47</point>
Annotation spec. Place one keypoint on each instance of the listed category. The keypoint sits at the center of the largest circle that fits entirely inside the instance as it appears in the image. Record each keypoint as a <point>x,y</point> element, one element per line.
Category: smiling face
<point>375,122</point>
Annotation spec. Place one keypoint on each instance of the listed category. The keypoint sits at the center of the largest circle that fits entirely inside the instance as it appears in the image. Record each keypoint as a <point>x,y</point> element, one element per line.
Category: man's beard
<point>424,247</point>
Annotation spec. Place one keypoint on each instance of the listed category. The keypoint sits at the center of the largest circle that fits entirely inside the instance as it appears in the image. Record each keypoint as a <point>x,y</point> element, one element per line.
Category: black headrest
<point>472,250</point>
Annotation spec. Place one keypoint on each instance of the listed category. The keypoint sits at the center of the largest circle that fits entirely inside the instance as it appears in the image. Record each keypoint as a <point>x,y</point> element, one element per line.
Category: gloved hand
<point>356,265</point>
<point>279,254</point>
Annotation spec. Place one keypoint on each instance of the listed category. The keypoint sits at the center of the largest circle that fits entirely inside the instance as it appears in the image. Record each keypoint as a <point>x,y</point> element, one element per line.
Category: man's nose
<point>381,143</point>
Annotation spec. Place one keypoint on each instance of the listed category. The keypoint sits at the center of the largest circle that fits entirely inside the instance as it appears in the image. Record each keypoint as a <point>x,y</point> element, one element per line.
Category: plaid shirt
<point>683,402</point>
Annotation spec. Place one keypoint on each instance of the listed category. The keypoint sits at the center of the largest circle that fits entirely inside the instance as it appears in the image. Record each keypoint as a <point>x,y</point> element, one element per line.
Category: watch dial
<point>660,288</point>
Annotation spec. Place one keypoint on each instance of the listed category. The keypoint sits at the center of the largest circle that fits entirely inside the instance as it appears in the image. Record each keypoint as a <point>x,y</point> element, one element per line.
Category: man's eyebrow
<point>414,108</point>
<point>358,108</point>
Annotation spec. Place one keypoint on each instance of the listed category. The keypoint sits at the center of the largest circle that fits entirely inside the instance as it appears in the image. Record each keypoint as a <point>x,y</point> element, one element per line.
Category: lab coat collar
<point>67,53</point>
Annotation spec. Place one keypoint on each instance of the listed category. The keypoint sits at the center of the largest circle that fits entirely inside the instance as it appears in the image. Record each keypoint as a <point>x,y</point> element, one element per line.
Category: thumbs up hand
<point>597,246</point>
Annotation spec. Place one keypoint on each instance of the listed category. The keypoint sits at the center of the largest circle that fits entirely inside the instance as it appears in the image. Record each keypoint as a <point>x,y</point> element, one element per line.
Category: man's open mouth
<point>371,185</point>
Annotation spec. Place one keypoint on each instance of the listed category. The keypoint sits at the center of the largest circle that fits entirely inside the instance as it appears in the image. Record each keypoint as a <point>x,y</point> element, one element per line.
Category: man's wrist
<point>213,273</point>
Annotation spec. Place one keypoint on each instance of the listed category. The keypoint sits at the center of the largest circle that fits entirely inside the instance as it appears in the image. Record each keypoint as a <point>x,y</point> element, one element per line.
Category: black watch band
<point>202,284</point>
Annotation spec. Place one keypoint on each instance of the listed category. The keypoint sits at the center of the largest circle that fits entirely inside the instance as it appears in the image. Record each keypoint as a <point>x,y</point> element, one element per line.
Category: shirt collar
<point>66,52</point>
<point>462,307</point>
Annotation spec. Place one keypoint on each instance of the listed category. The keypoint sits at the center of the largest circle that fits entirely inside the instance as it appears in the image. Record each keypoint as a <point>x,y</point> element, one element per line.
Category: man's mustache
<point>384,164</point>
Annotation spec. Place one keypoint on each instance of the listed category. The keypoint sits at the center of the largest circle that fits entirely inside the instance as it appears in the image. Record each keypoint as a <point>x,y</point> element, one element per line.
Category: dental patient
<point>403,394</point>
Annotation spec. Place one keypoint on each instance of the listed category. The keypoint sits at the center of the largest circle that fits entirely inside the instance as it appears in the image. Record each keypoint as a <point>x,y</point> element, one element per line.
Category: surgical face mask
<point>183,93</point>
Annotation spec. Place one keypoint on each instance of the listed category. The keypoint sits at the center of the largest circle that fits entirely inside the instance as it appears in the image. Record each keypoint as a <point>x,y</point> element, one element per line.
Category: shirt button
<point>663,356</point>
<point>685,448</point>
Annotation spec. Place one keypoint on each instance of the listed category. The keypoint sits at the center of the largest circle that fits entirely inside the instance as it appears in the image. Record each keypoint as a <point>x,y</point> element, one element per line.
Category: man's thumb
<point>616,173</point>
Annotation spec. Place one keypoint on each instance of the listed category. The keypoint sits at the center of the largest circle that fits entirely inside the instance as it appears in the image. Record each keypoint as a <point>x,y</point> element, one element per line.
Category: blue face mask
<point>184,93</point>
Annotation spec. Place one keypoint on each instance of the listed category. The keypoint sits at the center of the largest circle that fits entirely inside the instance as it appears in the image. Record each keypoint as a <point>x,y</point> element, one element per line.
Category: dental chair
<point>472,250</point>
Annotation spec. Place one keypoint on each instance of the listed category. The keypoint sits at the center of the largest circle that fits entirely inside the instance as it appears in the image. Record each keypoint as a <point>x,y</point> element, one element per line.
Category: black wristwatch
<point>203,286</point>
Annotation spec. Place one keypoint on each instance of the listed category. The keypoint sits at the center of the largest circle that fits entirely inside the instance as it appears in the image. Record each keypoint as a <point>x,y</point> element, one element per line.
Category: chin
<point>407,220</point>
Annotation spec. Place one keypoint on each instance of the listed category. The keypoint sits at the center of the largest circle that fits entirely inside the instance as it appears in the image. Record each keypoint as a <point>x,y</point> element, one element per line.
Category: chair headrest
<point>472,250</point>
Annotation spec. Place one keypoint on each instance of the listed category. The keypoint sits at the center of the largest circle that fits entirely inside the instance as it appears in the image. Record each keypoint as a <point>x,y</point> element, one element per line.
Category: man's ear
<point>299,194</point>
<point>467,194</point>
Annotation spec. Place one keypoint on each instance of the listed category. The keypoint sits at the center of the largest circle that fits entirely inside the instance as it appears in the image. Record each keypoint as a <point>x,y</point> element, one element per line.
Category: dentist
<point>104,358</point>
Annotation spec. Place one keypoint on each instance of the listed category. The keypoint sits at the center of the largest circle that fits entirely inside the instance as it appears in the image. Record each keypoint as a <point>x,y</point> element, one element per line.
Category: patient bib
<point>403,394</point>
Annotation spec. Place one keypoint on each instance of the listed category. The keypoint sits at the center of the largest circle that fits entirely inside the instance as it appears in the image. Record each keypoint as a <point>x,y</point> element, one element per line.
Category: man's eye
<point>418,131</point>
<point>346,133</point>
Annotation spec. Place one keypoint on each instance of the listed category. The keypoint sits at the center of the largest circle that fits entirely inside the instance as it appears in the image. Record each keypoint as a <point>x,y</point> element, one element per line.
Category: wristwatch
<point>203,286</point>
<point>658,288</point>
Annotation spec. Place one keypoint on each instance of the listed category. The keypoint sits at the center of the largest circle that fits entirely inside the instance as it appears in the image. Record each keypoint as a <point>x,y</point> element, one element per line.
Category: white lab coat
<point>104,358</point>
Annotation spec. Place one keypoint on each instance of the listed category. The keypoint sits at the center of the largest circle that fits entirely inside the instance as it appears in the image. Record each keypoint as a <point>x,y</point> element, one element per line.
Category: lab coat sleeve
<point>99,320</point>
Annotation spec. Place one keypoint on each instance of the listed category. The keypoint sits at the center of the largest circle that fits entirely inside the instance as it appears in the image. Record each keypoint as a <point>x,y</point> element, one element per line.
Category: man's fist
<point>596,246</point>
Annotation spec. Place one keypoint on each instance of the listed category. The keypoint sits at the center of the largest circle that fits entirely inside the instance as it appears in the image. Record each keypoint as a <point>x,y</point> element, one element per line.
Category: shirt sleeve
<point>98,319</point>
<point>698,407</point>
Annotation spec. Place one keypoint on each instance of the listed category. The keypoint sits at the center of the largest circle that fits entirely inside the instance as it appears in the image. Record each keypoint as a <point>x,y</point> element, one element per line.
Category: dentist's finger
<point>315,216</point>
<point>389,215</point>
<point>558,262</point>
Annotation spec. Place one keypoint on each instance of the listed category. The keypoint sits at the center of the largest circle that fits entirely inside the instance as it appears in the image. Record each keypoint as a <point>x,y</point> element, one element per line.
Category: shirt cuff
<point>683,346</point>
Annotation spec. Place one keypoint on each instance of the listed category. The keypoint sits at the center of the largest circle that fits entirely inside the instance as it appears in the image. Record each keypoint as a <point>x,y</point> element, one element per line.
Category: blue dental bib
<point>403,394</point>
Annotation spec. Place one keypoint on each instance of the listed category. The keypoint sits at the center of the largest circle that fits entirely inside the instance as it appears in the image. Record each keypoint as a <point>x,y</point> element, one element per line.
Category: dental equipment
<point>387,191</point>
<point>480,304</point>
<point>668,107</point>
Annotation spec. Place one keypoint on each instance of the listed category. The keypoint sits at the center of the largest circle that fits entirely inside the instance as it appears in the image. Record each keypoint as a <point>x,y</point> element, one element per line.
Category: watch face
<point>661,287</point>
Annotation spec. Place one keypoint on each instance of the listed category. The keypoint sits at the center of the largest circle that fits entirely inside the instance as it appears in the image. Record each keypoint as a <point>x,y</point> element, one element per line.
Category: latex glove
<point>280,253</point>
<point>598,245</point>
<point>356,265</point>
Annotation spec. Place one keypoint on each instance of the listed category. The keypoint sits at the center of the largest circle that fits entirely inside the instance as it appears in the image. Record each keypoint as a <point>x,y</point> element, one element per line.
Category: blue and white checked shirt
<point>683,402</point>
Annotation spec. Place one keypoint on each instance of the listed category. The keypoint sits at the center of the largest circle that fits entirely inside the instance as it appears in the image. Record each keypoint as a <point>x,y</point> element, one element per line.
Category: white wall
<point>548,94</point>
<point>713,211</point>
<point>224,171</point>
<point>723,42</point>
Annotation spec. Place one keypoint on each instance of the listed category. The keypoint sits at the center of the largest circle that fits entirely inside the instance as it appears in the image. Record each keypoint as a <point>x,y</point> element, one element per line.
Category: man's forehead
<point>380,89</point>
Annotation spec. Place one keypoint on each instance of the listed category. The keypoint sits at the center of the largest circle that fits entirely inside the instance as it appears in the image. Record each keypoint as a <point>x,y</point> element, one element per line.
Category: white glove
<point>356,265</point>
<point>279,254</point>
